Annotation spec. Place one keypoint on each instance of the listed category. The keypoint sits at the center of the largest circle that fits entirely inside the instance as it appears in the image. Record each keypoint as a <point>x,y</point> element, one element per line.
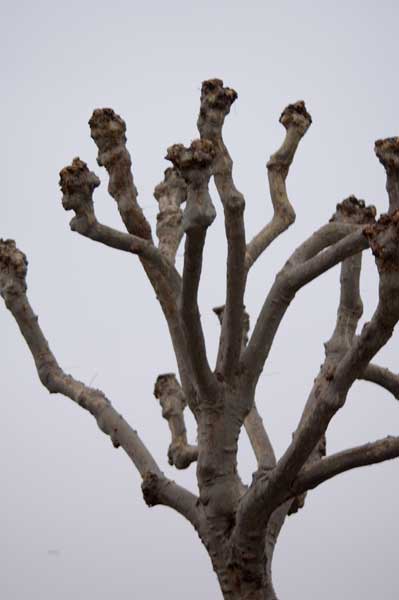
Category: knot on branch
<point>194,164</point>
<point>77,184</point>
<point>169,393</point>
<point>181,454</point>
<point>387,151</point>
<point>297,117</point>
<point>150,489</point>
<point>173,187</point>
<point>353,210</point>
<point>197,158</point>
<point>216,101</point>
<point>219,312</point>
<point>297,503</point>
<point>383,238</point>
<point>13,268</point>
<point>217,97</point>
<point>108,130</point>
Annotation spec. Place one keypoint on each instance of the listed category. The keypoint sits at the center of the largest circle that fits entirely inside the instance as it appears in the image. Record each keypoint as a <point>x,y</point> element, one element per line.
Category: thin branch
<point>296,121</point>
<point>194,165</point>
<point>259,439</point>
<point>108,130</point>
<point>216,102</point>
<point>335,464</point>
<point>171,398</point>
<point>170,194</point>
<point>383,377</point>
<point>13,269</point>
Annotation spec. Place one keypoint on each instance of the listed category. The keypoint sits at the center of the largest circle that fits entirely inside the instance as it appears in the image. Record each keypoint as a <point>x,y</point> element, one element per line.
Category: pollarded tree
<point>239,525</point>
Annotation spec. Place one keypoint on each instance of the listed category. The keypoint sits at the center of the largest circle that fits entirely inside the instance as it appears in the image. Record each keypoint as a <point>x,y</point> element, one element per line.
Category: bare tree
<point>239,525</point>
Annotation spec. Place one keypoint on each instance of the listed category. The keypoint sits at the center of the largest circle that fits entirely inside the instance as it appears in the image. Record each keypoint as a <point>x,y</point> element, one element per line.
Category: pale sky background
<point>72,519</point>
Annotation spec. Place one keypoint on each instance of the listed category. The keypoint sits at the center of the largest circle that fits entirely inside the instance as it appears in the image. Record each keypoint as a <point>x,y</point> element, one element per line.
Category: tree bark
<point>234,586</point>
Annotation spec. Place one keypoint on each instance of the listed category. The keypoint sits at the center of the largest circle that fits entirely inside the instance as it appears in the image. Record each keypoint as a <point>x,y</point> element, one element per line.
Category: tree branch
<point>194,165</point>
<point>259,439</point>
<point>359,456</point>
<point>171,398</point>
<point>383,377</point>
<point>296,120</point>
<point>108,130</point>
<point>170,194</point>
<point>216,102</point>
<point>13,269</point>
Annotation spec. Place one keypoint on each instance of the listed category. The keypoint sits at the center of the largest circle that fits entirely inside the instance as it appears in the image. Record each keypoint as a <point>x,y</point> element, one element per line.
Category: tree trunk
<point>241,590</point>
<point>236,584</point>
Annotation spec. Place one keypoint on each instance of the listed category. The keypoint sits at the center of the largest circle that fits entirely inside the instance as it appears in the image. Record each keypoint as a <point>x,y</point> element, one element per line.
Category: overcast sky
<point>72,519</point>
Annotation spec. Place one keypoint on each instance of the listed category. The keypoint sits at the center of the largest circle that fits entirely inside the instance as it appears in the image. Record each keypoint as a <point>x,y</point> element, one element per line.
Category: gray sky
<point>72,519</point>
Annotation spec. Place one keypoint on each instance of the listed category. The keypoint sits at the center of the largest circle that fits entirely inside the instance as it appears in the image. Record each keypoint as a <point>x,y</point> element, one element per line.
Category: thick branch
<point>171,398</point>
<point>360,456</point>
<point>216,102</point>
<point>108,130</point>
<point>296,121</point>
<point>383,377</point>
<point>13,268</point>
